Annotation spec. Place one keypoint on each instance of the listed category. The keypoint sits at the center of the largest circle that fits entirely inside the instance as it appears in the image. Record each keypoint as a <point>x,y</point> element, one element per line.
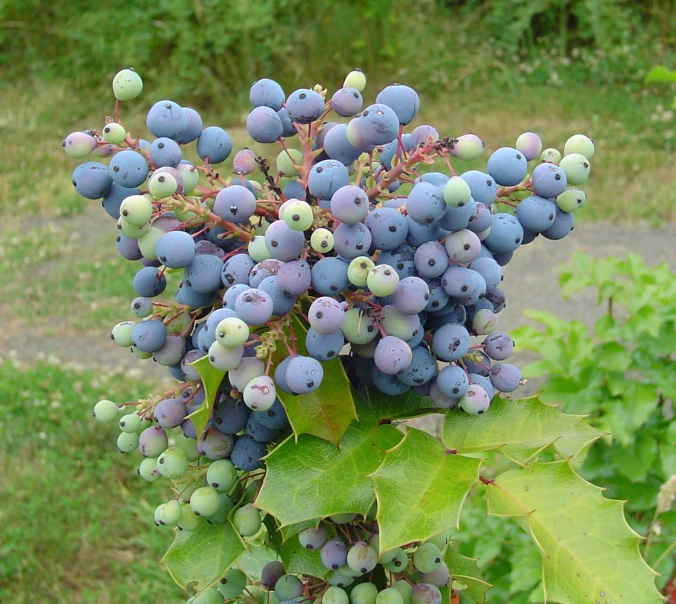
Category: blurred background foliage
<point>213,48</point>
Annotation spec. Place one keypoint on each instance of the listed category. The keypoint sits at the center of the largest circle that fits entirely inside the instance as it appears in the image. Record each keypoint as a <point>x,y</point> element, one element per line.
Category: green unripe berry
<point>106,411</point>
<point>131,230</point>
<point>232,584</point>
<point>127,442</point>
<point>358,270</point>
<point>127,85</point>
<point>114,133</point>
<point>209,596</point>
<point>147,241</point>
<point>321,241</point>
<point>576,167</point>
<point>382,280</point>
<point>162,185</point>
<point>257,249</point>
<point>232,332</point>
<point>222,475</point>
<point>551,156</point>
<point>131,422</point>
<point>189,520</point>
<point>427,558</point>
<point>247,520</point>
<point>286,161</point>
<point>405,589</point>
<point>136,209</point>
<point>355,79</point>
<point>579,143</point>
<point>173,463</point>
<point>121,333</point>
<point>390,596</point>
<point>148,470</point>
<point>456,192</point>
<point>335,595</point>
<point>205,501</point>
<point>297,215</point>
<point>168,514</point>
<point>190,175</point>
<point>571,200</point>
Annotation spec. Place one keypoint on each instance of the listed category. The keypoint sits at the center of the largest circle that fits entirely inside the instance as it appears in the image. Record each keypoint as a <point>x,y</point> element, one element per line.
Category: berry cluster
<point>354,248</point>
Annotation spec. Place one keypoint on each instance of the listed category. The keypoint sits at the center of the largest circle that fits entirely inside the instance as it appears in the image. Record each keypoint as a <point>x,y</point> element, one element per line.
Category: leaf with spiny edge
<point>211,380</point>
<point>420,489</point>
<point>590,554</point>
<point>326,412</point>
<point>299,474</point>
<point>520,429</point>
<point>466,576</point>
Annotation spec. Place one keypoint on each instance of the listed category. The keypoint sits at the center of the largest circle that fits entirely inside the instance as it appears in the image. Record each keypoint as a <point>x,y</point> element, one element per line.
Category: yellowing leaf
<point>519,428</point>
<point>420,489</point>
<point>589,553</point>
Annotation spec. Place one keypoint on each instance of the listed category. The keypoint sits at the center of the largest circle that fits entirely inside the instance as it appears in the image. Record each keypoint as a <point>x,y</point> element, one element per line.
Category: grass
<point>632,178</point>
<point>76,520</point>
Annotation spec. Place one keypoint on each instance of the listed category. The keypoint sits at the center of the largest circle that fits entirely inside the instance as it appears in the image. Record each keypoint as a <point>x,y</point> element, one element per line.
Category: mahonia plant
<point>319,304</point>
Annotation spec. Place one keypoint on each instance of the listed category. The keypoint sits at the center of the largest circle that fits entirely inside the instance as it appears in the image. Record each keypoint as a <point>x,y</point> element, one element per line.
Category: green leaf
<point>466,576</point>
<point>612,356</point>
<point>520,429</point>
<point>660,73</point>
<point>312,479</point>
<point>211,380</point>
<point>635,460</point>
<point>420,489</point>
<point>589,552</point>
<point>326,412</point>
<point>202,556</point>
<point>296,559</point>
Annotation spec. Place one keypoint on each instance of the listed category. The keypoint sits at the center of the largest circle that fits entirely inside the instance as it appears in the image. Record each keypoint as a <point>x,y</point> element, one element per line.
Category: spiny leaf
<point>296,559</point>
<point>589,552</point>
<point>519,428</point>
<point>211,380</point>
<point>466,576</point>
<point>420,489</point>
<point>311,479</point>
<point>326,412</point>
<point>203,555</point>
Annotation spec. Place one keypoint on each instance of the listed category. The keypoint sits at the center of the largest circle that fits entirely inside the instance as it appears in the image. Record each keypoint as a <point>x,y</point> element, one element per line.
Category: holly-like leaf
<point>312,479</point>
<point>202,556</point>
<point>296,559</point>
<point>420,489</point>
<point>326,412</point>
<point>589,552</point>
<point>520,429</point>
<point>466,576</point>
<point>211,380</point>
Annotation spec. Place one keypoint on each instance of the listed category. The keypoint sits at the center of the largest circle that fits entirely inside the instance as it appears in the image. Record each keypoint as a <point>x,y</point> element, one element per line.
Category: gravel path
<point>530,283</point>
